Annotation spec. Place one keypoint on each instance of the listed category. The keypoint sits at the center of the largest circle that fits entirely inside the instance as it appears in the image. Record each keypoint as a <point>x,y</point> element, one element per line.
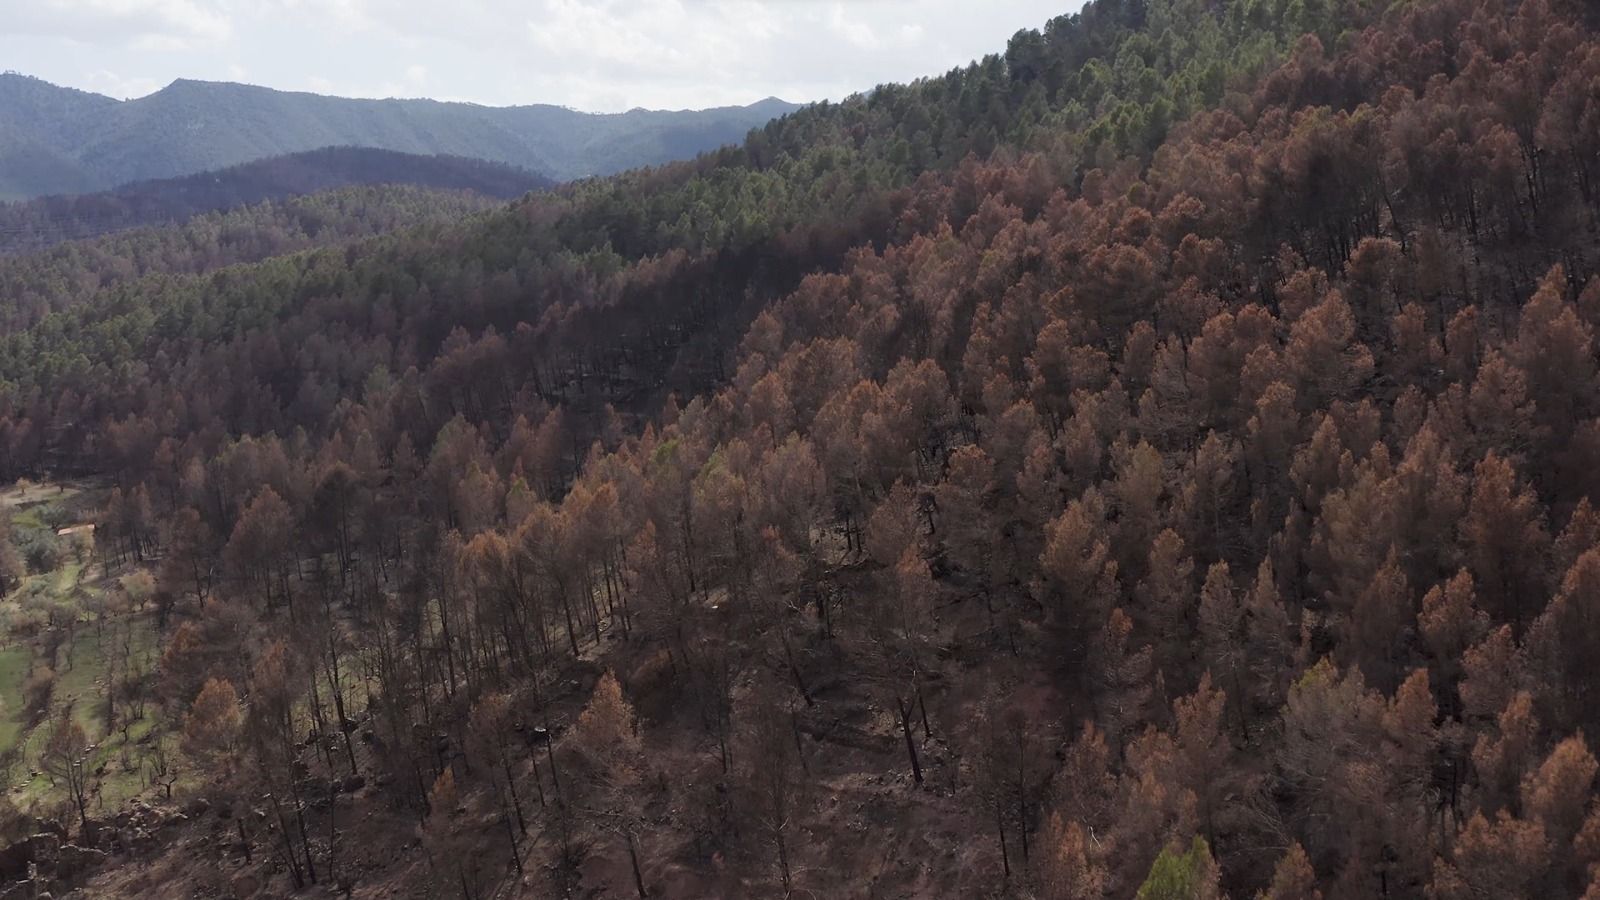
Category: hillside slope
<point>1158,461</point>
<point>60,140</point>
<point>40,124</point>
<point>43,222</point>
<point>36,283</point>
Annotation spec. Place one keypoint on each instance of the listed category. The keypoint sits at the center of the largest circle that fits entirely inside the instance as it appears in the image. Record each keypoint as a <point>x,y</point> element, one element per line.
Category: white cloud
<point>603,55</point>
<point>852,28</point>
<point>145,24</point>
<point>348,16</point>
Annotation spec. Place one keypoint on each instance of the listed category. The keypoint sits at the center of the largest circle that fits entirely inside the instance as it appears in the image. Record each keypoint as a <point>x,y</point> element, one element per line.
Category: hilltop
<point>56,140</point>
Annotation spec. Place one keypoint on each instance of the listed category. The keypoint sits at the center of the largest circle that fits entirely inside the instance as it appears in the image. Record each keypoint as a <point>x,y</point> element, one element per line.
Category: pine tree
<point>211,727</point>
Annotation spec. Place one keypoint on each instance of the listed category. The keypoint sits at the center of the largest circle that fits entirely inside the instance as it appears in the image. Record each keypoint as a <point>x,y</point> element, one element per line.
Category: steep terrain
<point>40,123</point>
<point>61,141</point>
<point>1157,461</point>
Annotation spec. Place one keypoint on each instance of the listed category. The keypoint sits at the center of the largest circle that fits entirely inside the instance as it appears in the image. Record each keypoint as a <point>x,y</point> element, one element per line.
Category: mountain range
<point>45,221</point>
<point>57,140</point>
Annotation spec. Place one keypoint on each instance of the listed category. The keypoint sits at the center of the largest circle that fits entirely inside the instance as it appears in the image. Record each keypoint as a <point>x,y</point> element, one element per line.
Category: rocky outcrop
<point>33,868</point>
<point>46,861</point>
<point>39,850</point>
<point>74,862</point>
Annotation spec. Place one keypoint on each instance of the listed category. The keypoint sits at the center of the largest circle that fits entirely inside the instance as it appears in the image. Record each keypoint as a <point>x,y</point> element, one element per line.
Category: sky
<point>593,55</point>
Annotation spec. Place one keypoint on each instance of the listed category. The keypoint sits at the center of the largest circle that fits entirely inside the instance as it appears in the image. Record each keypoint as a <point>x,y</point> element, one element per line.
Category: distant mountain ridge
<point>45,221</point>
<point>56,140</point>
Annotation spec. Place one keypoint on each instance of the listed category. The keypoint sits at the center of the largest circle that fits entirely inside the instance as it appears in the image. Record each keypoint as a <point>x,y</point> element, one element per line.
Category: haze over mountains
<point>56,140</point>
<point>45,221</point>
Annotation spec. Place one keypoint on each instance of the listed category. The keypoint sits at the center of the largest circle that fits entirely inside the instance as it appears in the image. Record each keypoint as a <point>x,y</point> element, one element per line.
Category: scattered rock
<point>44,847</point>
<point>74,862</point>
<point>93,833</point>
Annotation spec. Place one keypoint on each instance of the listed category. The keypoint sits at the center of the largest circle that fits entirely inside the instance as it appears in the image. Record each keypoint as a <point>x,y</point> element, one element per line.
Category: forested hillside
<point>39,122</point>
<point>56,140</point>
<point>47,221</point>
<point>86,271</point>
<point>1157,461</point>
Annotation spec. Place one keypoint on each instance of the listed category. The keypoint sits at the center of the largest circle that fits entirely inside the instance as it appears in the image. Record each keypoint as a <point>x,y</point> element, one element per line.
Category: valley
<point>1155,460</point>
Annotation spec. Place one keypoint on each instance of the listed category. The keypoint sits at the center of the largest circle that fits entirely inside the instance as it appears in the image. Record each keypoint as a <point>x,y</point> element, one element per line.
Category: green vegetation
<point>36,284</point>
<point>48,221</point>
<point>15,664</point>
<point>88,665</point>
<point>983,514</point>
<point>1190,875</point>
<point>67,626</point>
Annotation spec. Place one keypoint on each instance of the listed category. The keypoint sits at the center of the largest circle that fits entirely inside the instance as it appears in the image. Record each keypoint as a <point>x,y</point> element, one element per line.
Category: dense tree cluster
<point>37,284</point>
<point>44,222</point>
<point>1143,511</point>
